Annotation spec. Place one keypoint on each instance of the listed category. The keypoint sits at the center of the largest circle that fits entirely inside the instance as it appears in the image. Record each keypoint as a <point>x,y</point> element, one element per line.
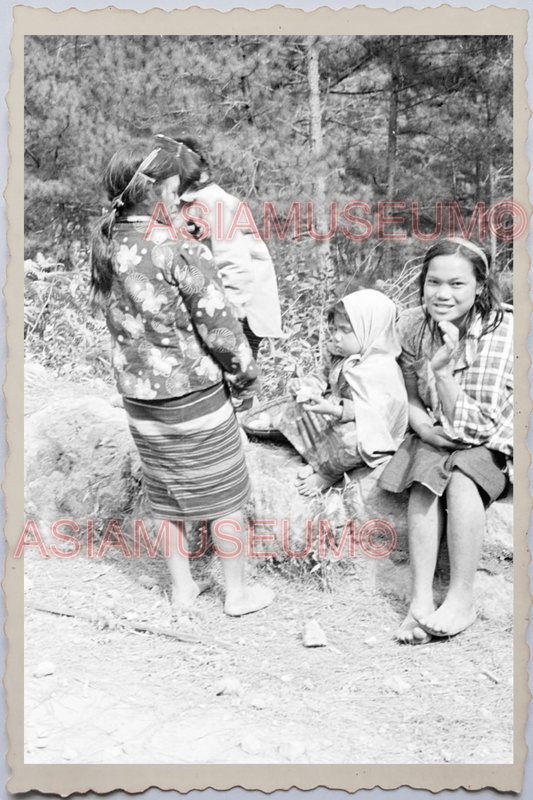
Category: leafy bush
<point>60,329</point>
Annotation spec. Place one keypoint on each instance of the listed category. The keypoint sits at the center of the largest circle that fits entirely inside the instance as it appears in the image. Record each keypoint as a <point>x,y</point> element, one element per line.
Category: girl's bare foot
<point>183,601</point>
<point>448,620</point>
<point>313,484</point>
<point>410,632</point>
<point>252,599</point>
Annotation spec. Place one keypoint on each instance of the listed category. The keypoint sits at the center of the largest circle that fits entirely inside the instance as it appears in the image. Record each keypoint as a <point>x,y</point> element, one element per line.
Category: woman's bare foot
<point>252,599</point>
<point>313,484</point>
<point>448,620</point>
<point>183,601</point>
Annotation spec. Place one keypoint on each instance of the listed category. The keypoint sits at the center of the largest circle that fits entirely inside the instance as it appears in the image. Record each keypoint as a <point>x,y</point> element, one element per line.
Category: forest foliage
<point>284,119</point>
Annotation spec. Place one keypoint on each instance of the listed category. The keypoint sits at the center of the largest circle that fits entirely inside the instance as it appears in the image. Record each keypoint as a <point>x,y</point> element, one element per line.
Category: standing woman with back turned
<point>178,350</point>
<point>457,360</point>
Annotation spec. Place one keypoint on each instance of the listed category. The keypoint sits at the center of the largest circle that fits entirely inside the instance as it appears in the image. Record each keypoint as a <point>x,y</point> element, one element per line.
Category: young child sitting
<point>243,262</point>
<point>359,416</point>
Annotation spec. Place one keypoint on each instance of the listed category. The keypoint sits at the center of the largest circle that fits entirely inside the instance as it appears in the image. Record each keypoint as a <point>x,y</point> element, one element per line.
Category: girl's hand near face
<point>442,365</point>
<point>444,358</point>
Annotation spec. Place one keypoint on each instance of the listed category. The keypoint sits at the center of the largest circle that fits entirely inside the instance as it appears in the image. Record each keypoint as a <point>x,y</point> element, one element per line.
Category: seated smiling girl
<point>457,360</point>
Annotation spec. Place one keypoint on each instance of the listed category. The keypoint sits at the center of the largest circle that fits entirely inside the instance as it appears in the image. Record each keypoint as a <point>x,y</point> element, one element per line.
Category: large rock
<point>274,468</point>
<point>276,504</point>
<point>365,500</point>
<point>79,462</point>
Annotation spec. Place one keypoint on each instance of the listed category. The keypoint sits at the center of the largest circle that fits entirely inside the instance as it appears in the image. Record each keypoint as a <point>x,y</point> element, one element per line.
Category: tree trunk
<point>490,159</point>
<point>392,141</point>
<point>244,85</point>
<point>393,118</point>
<point>315,129</point>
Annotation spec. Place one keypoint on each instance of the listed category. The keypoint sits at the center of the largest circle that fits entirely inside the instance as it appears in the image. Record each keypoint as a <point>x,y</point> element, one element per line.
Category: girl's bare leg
<point>184,589</point>
<point>240,599</point>
<point>424,519</point>
<point>466,527</point>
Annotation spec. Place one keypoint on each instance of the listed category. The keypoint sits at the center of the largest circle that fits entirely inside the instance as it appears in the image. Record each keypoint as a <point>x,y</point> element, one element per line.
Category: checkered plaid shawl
<point>484,371</point>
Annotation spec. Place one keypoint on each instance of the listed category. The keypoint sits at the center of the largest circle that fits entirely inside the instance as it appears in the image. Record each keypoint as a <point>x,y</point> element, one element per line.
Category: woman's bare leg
<point>240,599</point>
<point>424,519</point>
<point>466,527</point>
<point>184,589</point>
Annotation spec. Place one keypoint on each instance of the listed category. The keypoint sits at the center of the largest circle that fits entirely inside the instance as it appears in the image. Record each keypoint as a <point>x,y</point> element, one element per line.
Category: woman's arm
<point>480,409</point>
<point>420,421</point>
<point>442,366</point>
<point>448,391</point>
<point>212,314</point>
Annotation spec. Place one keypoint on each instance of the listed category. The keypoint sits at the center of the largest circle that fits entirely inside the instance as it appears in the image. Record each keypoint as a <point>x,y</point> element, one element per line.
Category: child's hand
<point>323,406</point>
<point>305,394</point>
<point>304,389</point>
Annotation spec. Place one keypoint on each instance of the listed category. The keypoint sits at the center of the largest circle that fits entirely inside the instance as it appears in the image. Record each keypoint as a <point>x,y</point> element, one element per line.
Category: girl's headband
<point>162,139</point>
<point>150,158</point>
<point>475,249</point>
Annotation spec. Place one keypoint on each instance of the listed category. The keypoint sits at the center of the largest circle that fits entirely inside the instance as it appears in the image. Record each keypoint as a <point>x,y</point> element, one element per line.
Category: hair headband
<point>160,137</point>
<point>162,140</point>
<point>199,153</point>
<point>118,201</point>
<point>474,248</point>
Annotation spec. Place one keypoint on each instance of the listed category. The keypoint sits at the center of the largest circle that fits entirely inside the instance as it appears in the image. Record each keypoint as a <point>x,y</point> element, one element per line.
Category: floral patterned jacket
<point>173,329</point>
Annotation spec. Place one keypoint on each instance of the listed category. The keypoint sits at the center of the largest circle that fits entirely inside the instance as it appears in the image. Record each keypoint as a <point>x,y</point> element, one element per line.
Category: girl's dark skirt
<point>418,462</point>
<point>191,453</point>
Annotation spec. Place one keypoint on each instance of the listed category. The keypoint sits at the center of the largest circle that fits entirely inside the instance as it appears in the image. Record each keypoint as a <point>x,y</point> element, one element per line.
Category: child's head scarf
<point>377,385</point>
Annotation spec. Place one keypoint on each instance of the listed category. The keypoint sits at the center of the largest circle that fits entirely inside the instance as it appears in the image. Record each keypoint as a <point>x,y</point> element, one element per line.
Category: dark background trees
<point>283,118</point>
<point>397,118</point>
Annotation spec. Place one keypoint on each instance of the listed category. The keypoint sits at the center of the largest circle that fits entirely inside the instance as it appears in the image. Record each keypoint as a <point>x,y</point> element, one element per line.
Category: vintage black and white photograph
<point>268,399</point>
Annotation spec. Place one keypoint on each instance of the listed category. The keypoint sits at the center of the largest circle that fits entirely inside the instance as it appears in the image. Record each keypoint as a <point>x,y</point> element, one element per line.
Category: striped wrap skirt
<point>191,453</point>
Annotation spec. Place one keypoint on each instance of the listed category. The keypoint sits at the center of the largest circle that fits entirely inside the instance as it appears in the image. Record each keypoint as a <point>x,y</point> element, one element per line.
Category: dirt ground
<point>248,691</point>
